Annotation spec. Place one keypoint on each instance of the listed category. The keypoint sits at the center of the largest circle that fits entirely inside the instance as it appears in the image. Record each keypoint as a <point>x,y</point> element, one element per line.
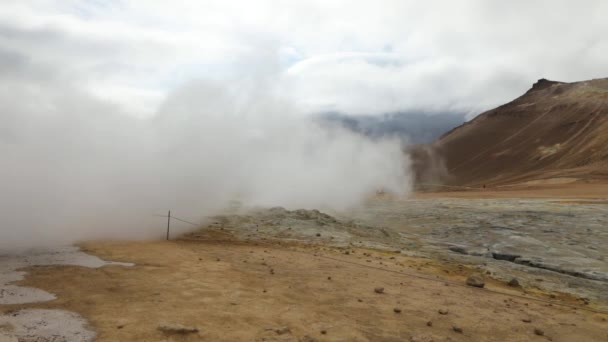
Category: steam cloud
<point>76,168</point>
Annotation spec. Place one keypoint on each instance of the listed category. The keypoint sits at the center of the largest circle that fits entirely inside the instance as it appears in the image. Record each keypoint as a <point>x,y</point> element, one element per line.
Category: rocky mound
<point>303,226</point>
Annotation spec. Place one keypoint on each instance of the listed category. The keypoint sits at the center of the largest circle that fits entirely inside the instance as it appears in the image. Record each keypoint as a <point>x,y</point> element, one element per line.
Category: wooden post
<point>168,224</point>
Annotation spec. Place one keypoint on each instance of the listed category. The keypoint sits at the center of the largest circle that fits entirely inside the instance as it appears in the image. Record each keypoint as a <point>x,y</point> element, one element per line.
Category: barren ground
<point>226,289</point>
<point>275,285</point>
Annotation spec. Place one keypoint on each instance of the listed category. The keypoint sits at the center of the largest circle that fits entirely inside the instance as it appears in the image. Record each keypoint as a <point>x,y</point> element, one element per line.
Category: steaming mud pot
<point>36,324</point>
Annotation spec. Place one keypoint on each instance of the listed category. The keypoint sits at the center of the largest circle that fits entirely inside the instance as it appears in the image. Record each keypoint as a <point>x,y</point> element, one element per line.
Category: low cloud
<point>76,168</point>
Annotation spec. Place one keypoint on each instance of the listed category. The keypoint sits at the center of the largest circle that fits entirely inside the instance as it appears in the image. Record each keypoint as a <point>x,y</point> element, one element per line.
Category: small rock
<point>457,329</point>
<point>397,310</point>
<point>443,311</point>
<point>318,234</point>
<point>177,329</point>
<point>379,290</point>
<point>324,332</point>
<point>360,300</point>
<point>328,278</point>
<point>514,282</point>
<point>422,338</point>
<point>458,249</point>
<point>282,330</point>
<point>218,259</point>
<point>526,320</point>
<point>476,280</point>
<point>307,338</point>
<point>539,332</point>
<point>429,324</point>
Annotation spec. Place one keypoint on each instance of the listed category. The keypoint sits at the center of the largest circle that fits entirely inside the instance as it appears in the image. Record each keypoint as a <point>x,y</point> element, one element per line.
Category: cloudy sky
<point>359,57</point>
<point>112,112</point>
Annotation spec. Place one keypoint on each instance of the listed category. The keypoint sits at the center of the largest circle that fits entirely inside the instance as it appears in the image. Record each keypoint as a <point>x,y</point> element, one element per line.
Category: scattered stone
<point>323,332</point>
<point>118,327</point>
<point>457,329</point>
<point>429,324</point>
<point>443,311</point>
<point>218,259</point>
<point>539,332</point>
<point>282,330</point>
<point>379,290</point>
<point>272,271</point>
<point>422,338</point>
<point>397,310</point>
<point>177,329</point>
<point>526,320</point>
<point>318,234</point>
<point>505,256</point>
<point>360,300</point>
<point>328,278</point>
<point>458,249</point>
<point>476,280</point>
<point>514,282</point>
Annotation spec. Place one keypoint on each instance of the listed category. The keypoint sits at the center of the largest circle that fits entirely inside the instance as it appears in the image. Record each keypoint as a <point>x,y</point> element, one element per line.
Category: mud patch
<point>36,325</point>
<point>12,265</point>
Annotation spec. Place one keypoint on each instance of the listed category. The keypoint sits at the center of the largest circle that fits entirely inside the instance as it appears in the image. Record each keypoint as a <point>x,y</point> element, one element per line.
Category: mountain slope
<point>554,130</point>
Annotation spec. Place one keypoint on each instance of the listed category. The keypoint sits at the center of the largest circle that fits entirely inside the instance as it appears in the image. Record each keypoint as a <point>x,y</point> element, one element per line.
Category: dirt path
<point>236,291</point>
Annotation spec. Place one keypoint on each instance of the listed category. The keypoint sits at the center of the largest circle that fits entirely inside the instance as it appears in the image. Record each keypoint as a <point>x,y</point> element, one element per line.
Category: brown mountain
<point>555,130</point>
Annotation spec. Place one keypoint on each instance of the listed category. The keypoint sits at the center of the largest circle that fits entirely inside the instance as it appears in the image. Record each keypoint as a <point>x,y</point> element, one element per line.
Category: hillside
<point>555,132</point>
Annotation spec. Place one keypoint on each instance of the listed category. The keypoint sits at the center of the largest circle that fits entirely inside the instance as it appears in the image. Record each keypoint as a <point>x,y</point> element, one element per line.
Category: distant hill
<point>411,127</point>
<point>554,132</point>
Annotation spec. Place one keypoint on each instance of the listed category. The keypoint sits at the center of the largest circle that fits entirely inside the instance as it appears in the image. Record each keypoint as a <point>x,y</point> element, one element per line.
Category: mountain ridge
<point>554,130</point>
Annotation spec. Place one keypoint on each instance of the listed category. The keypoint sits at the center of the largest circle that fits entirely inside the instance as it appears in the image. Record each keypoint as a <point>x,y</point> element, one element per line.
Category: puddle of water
<point>33,324</point>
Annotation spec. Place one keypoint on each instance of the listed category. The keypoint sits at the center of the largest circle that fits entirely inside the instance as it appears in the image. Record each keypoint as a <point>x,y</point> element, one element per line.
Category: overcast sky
<point>112,112</point>
<point>350,56</point>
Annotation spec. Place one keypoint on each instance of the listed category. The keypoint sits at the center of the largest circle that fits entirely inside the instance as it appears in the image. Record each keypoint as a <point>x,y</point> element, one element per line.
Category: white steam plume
<point>75,168</point>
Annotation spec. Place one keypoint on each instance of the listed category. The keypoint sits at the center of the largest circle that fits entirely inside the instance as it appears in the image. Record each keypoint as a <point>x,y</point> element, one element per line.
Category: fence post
<point>168,224</point>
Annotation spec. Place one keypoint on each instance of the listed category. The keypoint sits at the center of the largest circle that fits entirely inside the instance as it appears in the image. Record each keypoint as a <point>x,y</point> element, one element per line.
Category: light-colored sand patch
<point>550,181</point>
<point>33,325</point>
<point>546,151</point>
